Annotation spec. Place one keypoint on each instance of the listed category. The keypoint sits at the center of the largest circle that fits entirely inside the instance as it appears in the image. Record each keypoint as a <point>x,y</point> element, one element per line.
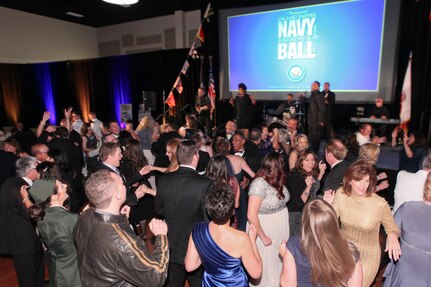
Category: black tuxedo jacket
<point>334,179</point>
<point>252,156</point>
<point>316,109</point>
<point>179,200</point>
<point>18,230</point>
<point>204,159</point>
<point>131,200</point>
<point>7,166</point>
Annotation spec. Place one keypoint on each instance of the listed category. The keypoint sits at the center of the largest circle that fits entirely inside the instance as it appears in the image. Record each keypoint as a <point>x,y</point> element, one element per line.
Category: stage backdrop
<point>100,85</point>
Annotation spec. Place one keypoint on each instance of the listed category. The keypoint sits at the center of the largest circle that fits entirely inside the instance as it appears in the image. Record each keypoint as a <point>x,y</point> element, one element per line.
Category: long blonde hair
<point>173,145</point>
<point>331,260</point>
<point>146,122</point>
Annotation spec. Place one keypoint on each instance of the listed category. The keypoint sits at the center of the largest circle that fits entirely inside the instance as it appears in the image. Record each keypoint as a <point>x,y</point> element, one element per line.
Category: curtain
<point>11,92</point>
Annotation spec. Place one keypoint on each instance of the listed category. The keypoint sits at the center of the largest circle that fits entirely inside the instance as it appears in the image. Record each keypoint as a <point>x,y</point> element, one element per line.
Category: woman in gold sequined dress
<point>361,213</point>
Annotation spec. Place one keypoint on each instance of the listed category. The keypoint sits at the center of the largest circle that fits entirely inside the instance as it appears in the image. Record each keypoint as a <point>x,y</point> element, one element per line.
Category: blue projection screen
<point>275,50</point>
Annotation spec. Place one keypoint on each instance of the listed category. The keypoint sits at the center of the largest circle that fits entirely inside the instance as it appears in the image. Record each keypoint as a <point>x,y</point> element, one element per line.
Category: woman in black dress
<point>133,161</point>
<point>243,104</point>
<point>303,184</point>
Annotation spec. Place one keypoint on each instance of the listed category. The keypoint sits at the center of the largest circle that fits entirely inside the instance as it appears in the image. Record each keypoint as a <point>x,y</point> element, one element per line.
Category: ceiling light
<point>74,14</point>
<point>124,3</point>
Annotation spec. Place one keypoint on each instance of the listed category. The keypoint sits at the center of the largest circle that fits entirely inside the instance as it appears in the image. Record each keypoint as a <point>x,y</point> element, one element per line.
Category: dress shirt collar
<point>240,153</point>
<point>332,166</point>
<point>188,166</point>
<point>115,169</point>
<point>29,181</point>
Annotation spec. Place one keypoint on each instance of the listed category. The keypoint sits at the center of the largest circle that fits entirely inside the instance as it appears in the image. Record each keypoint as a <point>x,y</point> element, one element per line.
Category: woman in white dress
<point>267,211</point>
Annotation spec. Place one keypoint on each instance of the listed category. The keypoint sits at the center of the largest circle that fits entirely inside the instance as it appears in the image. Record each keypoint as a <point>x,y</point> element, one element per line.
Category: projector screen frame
<point>388,54</point>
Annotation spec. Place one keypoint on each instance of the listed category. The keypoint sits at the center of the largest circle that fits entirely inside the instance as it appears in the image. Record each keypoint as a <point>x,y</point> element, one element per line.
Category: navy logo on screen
<point>296,73</point>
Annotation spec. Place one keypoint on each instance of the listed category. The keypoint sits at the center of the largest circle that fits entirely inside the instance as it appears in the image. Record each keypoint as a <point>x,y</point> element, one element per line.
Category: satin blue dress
<point>221,269</point>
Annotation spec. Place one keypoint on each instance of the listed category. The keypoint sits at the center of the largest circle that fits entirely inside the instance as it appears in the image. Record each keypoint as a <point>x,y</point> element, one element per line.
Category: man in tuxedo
<point>179,199</point>
<point>335,154</point>
<point>110,156</point>
<point>329,97</point>
<point>316,117</point>
<point>229,130</point>
<point>253,158</point>
<point>19,236</point>
<point>247,150</point>
<point>114,128</point>
<point>40,152</point>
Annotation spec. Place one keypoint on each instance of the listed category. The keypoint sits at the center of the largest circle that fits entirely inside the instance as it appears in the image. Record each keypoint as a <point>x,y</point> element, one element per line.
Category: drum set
<point>295,109</point>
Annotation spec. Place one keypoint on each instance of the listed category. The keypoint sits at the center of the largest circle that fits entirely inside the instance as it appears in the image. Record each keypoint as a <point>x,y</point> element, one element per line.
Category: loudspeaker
<point>149,100</point>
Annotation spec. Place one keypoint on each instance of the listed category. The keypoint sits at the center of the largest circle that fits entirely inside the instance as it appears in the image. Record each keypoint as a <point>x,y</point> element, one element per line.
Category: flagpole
<point>194,40</point>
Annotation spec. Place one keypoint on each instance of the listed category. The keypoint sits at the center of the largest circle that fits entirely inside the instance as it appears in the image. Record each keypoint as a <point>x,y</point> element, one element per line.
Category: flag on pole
<point>200,35</point>
<point>406,98</point>
<point>185,67</point>
<point>170,101</point>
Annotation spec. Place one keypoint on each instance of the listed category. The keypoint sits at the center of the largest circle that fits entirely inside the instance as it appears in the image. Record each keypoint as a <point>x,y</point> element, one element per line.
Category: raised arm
<point>67,113</point>
<point>293,156</point>
<point>41,126</point>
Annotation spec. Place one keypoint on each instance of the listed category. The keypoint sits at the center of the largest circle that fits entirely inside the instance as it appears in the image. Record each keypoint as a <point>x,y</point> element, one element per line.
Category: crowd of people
<point>160,205</point>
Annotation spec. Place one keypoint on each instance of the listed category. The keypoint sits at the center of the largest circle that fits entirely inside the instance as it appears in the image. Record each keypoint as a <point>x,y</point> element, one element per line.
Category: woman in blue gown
<point>221,249</point>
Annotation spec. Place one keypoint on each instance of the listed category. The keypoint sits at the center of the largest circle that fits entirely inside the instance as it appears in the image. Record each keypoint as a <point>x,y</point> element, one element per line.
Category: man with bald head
<point>40,152</point>
<point>335,154</point>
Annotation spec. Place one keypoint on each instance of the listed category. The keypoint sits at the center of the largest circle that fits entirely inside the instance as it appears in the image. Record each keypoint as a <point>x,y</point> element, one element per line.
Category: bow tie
<point>240,152</point>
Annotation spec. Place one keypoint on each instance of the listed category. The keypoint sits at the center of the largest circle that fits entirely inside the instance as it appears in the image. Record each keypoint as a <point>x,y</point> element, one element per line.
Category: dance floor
<point>8,277</point>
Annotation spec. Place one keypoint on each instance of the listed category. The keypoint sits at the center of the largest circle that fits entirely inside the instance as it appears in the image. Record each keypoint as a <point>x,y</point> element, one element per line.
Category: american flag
<point>211,87</point>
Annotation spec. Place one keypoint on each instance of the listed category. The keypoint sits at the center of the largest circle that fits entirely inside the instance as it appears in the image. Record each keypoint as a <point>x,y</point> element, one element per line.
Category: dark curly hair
<point>220,203</point>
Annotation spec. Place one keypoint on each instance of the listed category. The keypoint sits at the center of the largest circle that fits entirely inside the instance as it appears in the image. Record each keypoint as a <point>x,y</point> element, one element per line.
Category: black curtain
<point>153,71</point>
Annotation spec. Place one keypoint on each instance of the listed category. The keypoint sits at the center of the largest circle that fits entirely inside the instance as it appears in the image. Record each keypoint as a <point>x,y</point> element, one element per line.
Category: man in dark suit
<point>7,166</point>
<point>253,158</point>
<point>316,117</point>
<point>335,154</point>
<point>62,142</point>
<point>329,97</point>
<point>110,156</point>
<point>179,199</point>
<point>19,236</point>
